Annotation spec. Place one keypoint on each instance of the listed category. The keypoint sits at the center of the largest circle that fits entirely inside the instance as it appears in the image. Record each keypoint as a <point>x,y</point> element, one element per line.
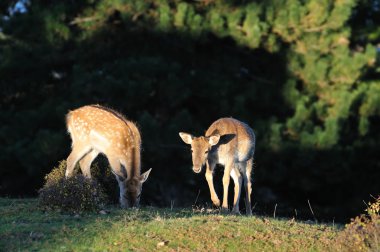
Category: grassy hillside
<point>23,227</point>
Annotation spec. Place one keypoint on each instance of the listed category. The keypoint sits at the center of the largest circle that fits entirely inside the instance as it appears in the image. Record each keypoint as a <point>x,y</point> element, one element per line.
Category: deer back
<point>237,139</point>
<point>106,131</point>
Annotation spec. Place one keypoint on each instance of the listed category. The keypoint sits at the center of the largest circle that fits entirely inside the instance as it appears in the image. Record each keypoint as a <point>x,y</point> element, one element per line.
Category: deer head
<point>200,147</point>
<point>133,186</point>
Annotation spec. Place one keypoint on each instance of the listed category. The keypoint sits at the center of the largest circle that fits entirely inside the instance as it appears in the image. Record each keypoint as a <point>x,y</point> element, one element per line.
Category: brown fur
<point>231,143</point>
<point>96,129</point>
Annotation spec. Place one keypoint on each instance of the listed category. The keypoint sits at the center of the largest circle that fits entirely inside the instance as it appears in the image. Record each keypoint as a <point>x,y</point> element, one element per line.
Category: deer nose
<point>197,169</point>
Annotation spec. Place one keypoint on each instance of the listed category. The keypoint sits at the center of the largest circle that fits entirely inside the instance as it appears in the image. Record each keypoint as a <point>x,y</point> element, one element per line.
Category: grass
<point>23,227</point>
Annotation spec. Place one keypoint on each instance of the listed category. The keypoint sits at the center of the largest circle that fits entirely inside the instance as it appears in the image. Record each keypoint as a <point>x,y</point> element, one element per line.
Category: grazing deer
<point>231,143</point>
<point>95,129</point>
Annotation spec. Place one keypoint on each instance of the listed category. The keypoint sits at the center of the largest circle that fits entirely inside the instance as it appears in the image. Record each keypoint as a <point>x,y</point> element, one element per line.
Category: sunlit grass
<point>23,227</point>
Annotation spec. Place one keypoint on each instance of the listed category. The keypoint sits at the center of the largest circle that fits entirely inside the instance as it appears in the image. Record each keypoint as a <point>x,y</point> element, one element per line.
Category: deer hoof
<point>216,202</point>
<point>225,210</point>
<point>235,212</point>
<point>123,204</point>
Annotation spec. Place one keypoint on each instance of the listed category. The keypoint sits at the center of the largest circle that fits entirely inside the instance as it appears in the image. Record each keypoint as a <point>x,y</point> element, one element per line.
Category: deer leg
<point>248,186</point>
<point>226,182</point>
<point>85,163</point>
<point>127,171</point>
<point>209,177</point>
<point>235,174</point>
<point>121,179</point>
<point>76,154</point>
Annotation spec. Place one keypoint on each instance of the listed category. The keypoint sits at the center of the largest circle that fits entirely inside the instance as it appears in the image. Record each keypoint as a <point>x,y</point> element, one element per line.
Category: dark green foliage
<point>74,194</point>
<point>365,22</point>
<point>299,72</point>
<point>102,173</point>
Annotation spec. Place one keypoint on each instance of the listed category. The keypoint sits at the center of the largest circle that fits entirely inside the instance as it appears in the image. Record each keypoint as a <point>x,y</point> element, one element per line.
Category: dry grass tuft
<point>363,233</point>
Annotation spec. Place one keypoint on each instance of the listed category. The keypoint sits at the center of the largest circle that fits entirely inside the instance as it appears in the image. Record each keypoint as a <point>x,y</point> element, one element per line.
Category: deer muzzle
<point>197,169</point>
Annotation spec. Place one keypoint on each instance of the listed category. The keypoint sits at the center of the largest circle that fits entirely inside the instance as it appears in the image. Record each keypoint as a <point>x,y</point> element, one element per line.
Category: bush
<point>102,172</point>
<point>363,233</point>
<point>74,194</point>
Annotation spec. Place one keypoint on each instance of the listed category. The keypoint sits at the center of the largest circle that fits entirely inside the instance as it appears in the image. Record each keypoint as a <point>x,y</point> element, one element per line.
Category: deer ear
<point>145,175</point>
<point>214,139</point>
<point>187,138</point>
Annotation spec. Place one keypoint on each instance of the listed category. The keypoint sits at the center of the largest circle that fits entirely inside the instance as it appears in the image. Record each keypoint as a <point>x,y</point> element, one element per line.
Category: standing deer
<point>95,129</point>
<point>231,143</point>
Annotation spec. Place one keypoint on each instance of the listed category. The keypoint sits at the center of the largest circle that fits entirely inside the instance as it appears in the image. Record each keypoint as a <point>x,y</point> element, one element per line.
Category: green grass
<point>23,227</point>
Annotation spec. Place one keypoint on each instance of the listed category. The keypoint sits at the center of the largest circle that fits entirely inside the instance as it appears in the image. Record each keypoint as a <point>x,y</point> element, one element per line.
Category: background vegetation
<point>303,74</point>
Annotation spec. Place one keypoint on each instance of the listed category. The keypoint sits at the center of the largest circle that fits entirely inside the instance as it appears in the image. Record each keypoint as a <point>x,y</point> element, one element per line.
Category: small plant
<point>74,194</point>
<point>374,208</point>
<point>363,233</point>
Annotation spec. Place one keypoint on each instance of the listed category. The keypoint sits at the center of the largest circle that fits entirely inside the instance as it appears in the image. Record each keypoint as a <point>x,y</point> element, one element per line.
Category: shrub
<point>363,233</point>
<point>74,194</point>
<point>56,174</point>
<point>102,172</point>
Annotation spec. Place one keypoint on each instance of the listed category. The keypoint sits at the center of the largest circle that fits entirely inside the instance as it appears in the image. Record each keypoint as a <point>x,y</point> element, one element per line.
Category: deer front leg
<point>121,178</point>
<point>123,192</point>
<point>209,177</point>
<point>236,176</point>
<point>248,186</point>
<point>226,182</point>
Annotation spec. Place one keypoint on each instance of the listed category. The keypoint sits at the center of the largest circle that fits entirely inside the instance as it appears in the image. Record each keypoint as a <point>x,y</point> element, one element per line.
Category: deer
<point>96,129</point>
<point>230,143</point>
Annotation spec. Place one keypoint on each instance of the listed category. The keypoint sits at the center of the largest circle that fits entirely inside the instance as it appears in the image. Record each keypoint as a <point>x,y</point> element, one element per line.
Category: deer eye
<point>206,151</point>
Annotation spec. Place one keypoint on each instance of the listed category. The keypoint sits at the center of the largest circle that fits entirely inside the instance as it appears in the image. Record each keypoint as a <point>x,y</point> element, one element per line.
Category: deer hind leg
<point>209,177</point>
<point>76,154</point>
<point>248,186</point>
<point>121,179</point>
<point>85,163</point>
<point>226,182</point>
<point>236,176</point>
